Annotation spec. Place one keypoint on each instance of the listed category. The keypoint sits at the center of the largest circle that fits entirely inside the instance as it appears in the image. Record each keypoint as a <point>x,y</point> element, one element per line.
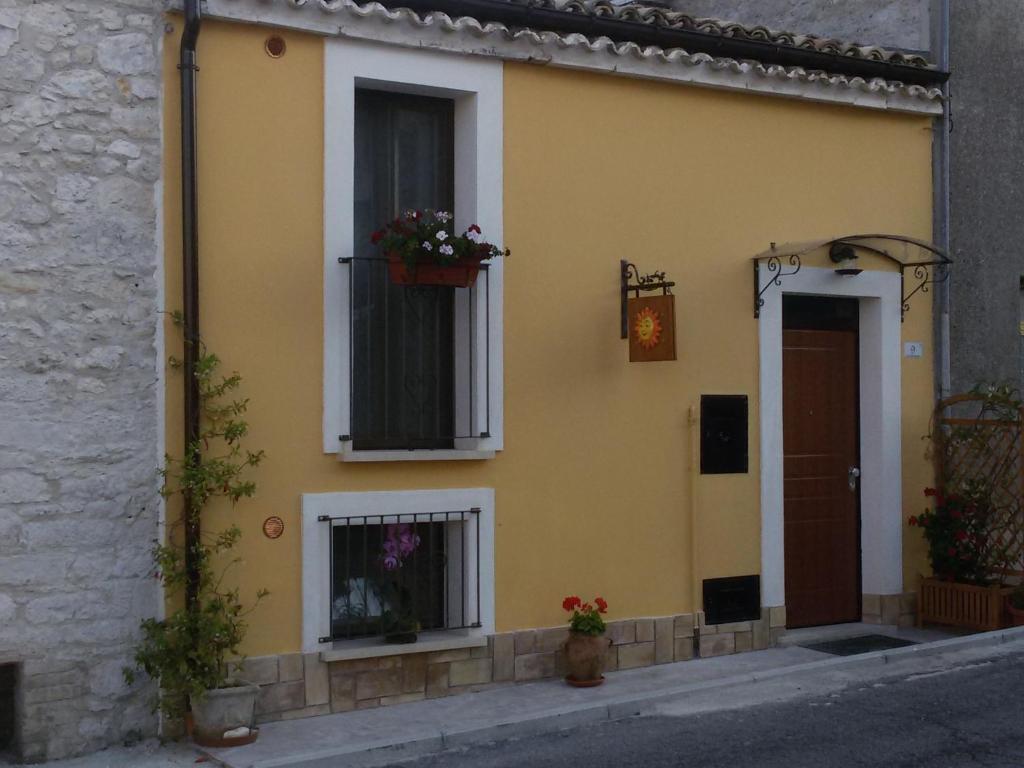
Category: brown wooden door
<point>820,445</point>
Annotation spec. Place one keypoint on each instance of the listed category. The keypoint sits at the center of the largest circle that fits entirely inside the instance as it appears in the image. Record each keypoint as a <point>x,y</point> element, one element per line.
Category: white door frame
<point>880,296</point>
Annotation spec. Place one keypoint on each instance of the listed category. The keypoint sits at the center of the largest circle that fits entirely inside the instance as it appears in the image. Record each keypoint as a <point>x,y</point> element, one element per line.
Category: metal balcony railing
<point>419,362</point>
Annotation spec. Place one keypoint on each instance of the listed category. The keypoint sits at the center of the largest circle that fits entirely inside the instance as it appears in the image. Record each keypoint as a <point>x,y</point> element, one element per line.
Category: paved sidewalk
<point>387,735</point>
<point>390,734</point>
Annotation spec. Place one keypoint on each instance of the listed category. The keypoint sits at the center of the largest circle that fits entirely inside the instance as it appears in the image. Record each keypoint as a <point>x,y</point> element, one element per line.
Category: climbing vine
<point>188,652</point>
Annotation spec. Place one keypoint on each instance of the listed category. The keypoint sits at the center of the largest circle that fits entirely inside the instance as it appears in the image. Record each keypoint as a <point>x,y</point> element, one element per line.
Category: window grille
<point>434,578</point>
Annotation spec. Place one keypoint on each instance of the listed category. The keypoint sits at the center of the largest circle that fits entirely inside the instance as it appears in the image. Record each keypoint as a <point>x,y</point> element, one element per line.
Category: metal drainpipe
<point>190,271</point>
<point>693,420</point>
<point>940,175</point>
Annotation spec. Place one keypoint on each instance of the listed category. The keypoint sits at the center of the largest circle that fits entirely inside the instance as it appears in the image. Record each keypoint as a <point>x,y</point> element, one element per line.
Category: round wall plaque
<point>273,527</point>
<point>275,46</point>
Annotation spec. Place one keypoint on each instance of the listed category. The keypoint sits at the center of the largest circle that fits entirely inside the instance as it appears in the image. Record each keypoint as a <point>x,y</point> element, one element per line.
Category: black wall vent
<point>736,598</point>
<point>8,692</point>
<point>723,434</point>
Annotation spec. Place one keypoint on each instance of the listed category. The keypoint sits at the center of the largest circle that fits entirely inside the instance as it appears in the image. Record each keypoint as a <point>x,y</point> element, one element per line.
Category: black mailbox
<point>723,434</point>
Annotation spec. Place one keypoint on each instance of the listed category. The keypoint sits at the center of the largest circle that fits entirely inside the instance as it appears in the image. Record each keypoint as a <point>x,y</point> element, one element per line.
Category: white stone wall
<point>80,151</point>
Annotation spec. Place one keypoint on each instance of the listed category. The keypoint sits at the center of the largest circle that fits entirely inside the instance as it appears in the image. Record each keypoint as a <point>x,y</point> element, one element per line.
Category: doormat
<point>852,646</point>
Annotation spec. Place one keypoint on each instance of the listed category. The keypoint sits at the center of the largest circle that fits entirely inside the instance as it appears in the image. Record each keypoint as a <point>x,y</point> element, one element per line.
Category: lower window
<point>387,565</point>
<point>397,575</point>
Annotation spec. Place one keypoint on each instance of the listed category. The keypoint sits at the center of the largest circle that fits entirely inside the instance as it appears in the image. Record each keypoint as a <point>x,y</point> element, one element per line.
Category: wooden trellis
<point>978,444</point>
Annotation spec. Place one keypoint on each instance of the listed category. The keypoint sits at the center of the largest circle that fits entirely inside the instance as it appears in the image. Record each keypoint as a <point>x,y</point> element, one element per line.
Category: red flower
<point>474,228</point>
<point>913,519</point>
<point>930,492</point>
<point>377,236</point>
<point>961,535</point>
<point>570,603</point>
<point>956,514</point>
<point>602,604</point>
<point>951,551</point>
<point>419,215</point>
<point>587,608</point>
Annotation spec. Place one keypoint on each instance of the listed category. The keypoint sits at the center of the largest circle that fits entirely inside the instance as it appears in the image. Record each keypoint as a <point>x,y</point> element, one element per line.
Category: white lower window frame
<point>475,86</point>
<point>316,569</point>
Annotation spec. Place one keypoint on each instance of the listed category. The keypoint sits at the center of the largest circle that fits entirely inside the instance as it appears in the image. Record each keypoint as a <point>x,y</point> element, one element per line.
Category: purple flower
<point>400,542</point>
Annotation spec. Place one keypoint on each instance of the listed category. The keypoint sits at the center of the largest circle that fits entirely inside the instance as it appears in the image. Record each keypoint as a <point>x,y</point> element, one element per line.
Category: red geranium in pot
<point>422,250</point>
<point>586,646</point>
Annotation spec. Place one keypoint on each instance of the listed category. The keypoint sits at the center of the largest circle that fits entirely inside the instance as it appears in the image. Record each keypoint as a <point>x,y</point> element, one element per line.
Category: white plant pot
<point>222,710</point>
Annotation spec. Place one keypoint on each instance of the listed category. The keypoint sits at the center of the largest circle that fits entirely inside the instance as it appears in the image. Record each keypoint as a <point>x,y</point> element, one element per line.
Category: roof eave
<point>517,14</point>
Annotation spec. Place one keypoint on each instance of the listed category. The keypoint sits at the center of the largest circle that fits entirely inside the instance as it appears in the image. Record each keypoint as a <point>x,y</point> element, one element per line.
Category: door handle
<point>852,476</point>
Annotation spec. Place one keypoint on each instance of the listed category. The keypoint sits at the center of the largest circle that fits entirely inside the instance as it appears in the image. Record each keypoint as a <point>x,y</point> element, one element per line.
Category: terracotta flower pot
<point>584,658</point>
<point>430,273</point>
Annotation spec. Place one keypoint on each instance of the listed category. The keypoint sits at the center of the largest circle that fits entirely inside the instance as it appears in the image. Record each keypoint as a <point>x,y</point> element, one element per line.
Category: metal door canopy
<point>928,263</point>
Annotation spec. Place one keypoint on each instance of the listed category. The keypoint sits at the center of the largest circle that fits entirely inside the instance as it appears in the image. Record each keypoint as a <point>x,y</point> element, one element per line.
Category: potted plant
<point>965,556</point>
<point>422,250</point>
<point>586,645</point>
<point>191,653</point>
<point>399,620</point>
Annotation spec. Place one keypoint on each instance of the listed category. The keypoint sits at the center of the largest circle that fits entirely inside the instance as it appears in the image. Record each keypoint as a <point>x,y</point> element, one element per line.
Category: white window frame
<point>316,552</point>
<point>475,85</point>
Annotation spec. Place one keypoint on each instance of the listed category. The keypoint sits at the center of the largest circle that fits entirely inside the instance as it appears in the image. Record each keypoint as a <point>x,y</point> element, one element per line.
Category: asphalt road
<point>962,717</point>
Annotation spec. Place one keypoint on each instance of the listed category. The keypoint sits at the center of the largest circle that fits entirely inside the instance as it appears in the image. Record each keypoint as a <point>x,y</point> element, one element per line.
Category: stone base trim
<point>894,610</point>
<point>304,685</point>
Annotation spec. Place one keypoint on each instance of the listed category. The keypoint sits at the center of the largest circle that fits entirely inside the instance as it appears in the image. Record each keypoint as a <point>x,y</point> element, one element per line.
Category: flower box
<point>421,250</point>
<point>962,605</point>
<point>432,273</point>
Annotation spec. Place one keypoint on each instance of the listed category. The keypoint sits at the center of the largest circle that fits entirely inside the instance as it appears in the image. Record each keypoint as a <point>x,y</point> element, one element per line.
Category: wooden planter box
<point>962,605</point>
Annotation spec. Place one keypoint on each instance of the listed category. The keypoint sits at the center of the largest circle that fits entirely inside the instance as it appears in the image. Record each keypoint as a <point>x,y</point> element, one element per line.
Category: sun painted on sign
<point>648,328</point>
<point>652,328</point>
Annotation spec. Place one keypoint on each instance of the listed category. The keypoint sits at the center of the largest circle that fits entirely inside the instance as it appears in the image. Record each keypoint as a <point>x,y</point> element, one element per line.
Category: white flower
<point>427,246</point>
<point>473,235</point>
<point>442,236</point>
<point>410,214</point>
<point>443,216</point>
<point>447,250</point>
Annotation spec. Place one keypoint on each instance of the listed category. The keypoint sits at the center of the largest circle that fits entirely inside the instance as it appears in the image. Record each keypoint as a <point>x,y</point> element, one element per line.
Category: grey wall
<point>79,174</point>
<point>987,190</point>
<point>894,23</point>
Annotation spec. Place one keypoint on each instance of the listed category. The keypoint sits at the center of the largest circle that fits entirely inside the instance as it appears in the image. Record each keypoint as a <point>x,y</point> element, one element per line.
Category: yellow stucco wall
<point>592,489</point>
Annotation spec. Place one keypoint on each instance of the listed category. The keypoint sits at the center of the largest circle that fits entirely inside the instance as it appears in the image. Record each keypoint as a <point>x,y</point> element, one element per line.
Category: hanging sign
<point>652,328</point>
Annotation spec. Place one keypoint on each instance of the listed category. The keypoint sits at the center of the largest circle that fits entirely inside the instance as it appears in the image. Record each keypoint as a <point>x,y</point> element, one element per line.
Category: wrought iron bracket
<point>775,267</point>
<point>323,640</point>
<point>653,281</point>
<point>925,274</point>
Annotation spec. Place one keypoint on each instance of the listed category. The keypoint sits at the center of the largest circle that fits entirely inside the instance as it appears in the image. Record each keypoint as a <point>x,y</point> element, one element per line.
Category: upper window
<point>410,371</point>
<point>403,337</point>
